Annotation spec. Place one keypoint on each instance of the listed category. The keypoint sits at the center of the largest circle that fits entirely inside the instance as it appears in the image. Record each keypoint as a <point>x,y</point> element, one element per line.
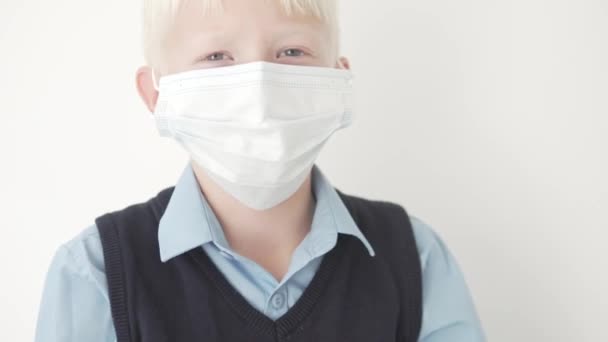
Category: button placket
<point>278,300</point>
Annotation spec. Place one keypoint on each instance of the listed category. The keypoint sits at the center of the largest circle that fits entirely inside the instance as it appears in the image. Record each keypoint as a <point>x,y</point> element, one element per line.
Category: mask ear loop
<point>154,83</point>
<point>162,122</point>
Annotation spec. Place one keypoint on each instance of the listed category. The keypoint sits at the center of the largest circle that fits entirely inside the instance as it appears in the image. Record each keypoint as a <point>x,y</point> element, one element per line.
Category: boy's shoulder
<point>83,254</point>
<point>427,239</point>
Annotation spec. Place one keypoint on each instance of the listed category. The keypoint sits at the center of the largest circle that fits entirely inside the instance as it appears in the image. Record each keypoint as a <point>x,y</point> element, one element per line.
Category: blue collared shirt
<point>75,304</point>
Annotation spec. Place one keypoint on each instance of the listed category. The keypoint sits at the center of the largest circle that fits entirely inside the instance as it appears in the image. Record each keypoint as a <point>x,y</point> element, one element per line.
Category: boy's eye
<point>216,56</point>
<point>292,53</point>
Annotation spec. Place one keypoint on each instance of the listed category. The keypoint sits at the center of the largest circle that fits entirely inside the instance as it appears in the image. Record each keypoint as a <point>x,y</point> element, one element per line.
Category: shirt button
<point>278,301</point>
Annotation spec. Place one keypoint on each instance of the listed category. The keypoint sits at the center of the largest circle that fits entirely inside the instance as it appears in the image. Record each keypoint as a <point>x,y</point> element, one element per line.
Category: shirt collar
<point>186,223</point>
<point>326,195</point>
<point>189,222</point>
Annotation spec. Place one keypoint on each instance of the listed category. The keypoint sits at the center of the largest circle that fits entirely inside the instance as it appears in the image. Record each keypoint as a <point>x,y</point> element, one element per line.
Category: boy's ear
<point>343,63</point>
<point>145,87</point>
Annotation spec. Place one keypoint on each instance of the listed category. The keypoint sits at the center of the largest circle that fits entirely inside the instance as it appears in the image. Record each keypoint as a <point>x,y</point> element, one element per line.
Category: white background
<point>487,119</point>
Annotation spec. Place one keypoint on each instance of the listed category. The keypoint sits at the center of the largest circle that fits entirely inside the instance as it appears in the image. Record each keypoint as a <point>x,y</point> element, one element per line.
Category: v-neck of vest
<point>297,314</point>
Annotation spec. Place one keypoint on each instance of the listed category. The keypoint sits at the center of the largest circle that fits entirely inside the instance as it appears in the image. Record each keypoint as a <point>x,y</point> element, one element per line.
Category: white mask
<point>255,128</point>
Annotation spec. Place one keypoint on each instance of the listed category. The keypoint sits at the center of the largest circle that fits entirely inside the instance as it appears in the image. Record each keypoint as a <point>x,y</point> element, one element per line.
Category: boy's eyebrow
<point>208,36</point>
<point>220,36</point>
<point>295,32</point>
<point>304,30</point>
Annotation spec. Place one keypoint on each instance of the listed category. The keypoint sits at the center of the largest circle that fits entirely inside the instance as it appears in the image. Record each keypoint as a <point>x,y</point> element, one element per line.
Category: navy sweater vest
<point>352,297</point>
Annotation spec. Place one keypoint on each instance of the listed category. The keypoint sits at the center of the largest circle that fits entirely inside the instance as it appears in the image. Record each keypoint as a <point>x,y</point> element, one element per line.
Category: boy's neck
<point>267,237</point>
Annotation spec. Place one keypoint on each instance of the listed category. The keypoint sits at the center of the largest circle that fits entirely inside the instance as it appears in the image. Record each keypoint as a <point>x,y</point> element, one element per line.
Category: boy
<point>253,243</point>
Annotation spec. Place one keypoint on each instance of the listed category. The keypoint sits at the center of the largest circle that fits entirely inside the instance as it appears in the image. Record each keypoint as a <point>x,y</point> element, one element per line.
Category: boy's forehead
<point>197,16</point>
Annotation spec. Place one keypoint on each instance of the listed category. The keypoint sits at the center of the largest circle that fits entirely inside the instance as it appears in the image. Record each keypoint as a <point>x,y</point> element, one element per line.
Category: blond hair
<point>158,16</point>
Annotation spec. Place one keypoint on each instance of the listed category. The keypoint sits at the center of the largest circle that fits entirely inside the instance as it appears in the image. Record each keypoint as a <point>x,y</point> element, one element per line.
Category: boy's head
<point>182,35</point>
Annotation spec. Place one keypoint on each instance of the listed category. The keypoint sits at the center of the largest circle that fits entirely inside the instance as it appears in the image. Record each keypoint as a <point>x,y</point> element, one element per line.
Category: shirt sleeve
<point>73,307</point>
<point>449,313</point>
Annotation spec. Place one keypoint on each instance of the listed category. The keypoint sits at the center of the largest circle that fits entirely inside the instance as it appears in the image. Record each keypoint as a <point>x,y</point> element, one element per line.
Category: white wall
<point>486,119</point>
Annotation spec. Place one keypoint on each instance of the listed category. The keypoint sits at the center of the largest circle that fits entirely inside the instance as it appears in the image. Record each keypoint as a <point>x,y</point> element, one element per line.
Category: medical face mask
<point>256,128</point>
